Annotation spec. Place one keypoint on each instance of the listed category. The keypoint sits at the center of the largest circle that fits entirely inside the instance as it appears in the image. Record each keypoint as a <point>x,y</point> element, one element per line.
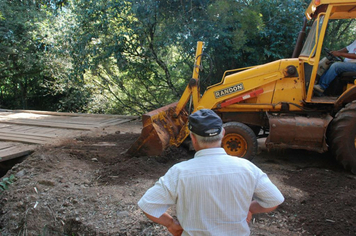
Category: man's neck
<point>207,146</point>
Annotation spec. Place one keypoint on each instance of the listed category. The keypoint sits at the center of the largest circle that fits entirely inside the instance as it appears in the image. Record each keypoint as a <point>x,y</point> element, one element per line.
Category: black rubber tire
<point>256,129</point>
<point>342,137</point>
<point>240,140</point>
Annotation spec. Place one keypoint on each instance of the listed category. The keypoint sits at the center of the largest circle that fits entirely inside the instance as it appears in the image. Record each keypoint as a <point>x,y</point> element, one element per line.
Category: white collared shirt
<point>212,193</point>
<point>351,49</point>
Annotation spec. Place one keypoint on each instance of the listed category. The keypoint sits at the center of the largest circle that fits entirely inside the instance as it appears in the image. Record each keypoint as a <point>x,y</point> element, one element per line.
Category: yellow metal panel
<point>209,99</point>
<point>265,76</point>
<point>266,71</point>
<point>318,52</point>
<point>266,96</point>
<point>344,9</point>
<point>289,90</point>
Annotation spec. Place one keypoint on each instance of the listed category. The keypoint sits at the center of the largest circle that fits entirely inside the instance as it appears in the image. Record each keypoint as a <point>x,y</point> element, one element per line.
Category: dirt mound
<point>89,186</point>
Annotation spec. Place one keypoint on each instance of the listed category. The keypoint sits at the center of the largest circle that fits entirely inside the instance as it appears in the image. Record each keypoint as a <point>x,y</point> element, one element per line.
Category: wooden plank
<point>21,129</point>
<point>63,124</point>
<point>29,135</point>
<point>36,127</point>
<point>38,136</point>
<point>87,120</point>
<point>49,124</point>
<point>20,117</point>
<point>15,151</point>
<point>44,130</point>
<point>5,145</point>
<point>68,114</point>
<point>24,139</point>
<point>114,121</point>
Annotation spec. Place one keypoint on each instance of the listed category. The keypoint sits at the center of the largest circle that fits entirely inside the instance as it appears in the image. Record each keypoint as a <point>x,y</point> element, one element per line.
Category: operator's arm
<point>166,220</point>
<point>344,53</point>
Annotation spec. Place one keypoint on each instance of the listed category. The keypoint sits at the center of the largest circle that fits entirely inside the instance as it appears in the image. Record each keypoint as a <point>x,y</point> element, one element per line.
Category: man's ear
<point>223,131</point>
<point>193,138</point>
<point>194,141</point>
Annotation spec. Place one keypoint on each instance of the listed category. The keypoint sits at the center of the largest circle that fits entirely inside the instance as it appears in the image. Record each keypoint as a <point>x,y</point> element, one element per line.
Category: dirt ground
<point>88,186</point>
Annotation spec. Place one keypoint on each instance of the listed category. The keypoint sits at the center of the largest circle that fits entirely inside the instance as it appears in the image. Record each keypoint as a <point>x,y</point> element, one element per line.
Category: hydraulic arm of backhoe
<point>192,89</point>
<point>167,125</point>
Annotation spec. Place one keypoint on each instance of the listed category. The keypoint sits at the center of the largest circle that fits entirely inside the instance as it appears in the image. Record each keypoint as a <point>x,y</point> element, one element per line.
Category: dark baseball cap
<point>205,123</point>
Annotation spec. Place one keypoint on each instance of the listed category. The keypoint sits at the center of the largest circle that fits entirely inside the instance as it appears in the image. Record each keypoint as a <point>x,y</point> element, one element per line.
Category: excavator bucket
<point>161,128</point>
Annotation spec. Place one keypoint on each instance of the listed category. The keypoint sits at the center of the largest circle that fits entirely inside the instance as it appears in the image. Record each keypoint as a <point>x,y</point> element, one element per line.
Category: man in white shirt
<point>337,68</point>
<point>214,193</point>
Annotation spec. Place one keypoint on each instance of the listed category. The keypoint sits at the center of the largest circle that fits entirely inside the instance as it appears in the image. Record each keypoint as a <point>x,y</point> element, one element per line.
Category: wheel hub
<point>235,145</point>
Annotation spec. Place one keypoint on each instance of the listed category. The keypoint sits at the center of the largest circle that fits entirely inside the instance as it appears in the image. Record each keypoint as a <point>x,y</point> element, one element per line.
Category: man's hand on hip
<point>175,229</point>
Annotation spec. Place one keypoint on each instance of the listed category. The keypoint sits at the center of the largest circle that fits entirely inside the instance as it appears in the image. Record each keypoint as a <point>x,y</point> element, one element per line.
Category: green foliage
<point>26,61</point>
<point>5,182</point>
<point>121,48</point>
<point>131,56</point>
<point>282,22</point>
<point>340,33</point>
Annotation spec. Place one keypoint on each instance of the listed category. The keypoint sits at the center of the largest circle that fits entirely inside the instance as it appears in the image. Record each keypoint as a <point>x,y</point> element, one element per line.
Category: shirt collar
<point>210,152</point>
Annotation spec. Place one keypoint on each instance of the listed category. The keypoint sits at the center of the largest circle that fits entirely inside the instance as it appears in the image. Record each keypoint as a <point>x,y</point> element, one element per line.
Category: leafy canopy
<point>130,56</point>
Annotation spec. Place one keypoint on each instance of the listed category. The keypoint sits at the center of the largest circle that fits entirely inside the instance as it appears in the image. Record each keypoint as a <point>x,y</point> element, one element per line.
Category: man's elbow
<point>152,218</point>
<point>271,208</point>
<point>256,208</point>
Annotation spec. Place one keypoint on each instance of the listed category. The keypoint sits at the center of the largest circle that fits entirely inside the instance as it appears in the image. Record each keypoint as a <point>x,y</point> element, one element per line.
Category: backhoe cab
<point>275,100</point>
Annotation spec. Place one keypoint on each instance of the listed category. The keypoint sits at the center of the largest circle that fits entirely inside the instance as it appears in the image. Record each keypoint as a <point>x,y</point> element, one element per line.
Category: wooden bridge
<point>22,131</point>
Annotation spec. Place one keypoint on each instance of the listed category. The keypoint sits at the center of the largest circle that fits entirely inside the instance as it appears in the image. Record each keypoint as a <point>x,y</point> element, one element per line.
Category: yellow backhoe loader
<point>275,100</point>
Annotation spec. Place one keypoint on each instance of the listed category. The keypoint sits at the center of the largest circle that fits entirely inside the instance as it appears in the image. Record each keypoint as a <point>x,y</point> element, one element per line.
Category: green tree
<point>140,53</point>
<point>340,33</point>
<point>29,60</point>
<point>121,50</point>
<point>131,56</point>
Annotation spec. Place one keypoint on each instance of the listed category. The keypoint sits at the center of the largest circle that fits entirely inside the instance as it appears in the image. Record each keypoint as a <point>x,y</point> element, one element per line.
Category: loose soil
<point>89,186</point>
